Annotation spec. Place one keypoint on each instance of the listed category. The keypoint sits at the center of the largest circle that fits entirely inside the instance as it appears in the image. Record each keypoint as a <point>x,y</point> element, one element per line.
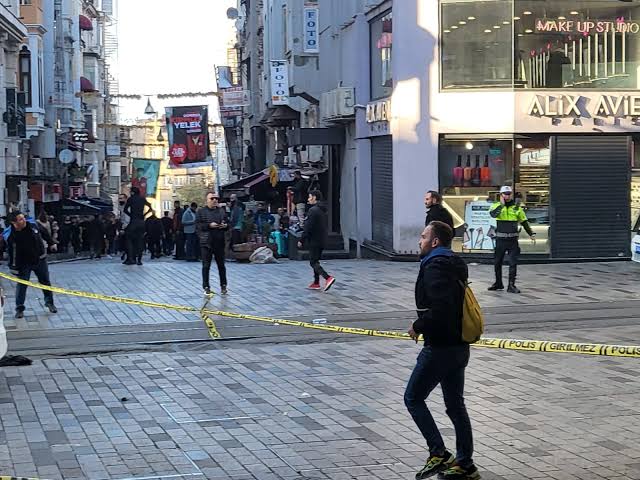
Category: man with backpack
<point>440,303</point>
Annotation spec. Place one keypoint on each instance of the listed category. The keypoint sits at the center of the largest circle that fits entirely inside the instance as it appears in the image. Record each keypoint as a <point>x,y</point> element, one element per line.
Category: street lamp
<point>160,137</point>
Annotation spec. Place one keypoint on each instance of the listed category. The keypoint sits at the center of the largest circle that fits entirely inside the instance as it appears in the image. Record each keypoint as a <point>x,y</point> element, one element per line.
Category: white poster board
<point>480,227</point>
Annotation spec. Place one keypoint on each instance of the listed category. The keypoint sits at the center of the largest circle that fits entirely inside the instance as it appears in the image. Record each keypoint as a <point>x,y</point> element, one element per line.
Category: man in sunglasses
<point>509,216</point>
<point>212,223</point>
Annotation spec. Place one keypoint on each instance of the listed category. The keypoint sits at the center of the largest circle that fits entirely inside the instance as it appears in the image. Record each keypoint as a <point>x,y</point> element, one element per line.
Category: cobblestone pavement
<point>321,411</point>
<point>279,290</point>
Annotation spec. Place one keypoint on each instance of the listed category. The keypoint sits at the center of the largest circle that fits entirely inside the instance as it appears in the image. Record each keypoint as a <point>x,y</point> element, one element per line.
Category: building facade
<point>539,95</point>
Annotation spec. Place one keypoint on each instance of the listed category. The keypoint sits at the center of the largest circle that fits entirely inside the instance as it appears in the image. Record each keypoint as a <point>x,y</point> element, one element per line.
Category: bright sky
<point>169,46</point>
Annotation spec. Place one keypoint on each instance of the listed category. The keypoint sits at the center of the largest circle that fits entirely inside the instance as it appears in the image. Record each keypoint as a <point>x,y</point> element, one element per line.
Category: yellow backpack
<point>472,319</point>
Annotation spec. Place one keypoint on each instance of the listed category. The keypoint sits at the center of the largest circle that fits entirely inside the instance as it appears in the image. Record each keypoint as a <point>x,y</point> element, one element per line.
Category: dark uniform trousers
<point>506,247</point>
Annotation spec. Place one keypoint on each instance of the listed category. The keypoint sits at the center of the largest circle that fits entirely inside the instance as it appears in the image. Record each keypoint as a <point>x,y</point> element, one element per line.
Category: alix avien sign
<point>581,106</point>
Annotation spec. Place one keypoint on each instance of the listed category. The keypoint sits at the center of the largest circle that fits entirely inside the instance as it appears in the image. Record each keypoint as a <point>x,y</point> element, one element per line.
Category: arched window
<point>24,73</point>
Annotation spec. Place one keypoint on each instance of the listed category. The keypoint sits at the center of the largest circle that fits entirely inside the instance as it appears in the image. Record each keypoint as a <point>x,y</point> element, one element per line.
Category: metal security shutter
<point>590,195</point>
<point>382,191</point>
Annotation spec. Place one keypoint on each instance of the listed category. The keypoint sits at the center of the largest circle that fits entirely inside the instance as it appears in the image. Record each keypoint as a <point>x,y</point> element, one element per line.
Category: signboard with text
<point>279,75</point>
<point>188,134</point>
<point>310,28</point>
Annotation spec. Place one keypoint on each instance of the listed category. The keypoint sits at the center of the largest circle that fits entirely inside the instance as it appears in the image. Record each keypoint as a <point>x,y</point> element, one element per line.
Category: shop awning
<point>280,116</point>
<point>240,186</point>
<point>86,206</point>
<point>85,23</point>
<point>86,85</point>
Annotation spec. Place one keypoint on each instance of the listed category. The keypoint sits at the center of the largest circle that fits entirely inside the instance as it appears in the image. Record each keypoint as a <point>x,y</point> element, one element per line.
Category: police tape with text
<point>629,351</point>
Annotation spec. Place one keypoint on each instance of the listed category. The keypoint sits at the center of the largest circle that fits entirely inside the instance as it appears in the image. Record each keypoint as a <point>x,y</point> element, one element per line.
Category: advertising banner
<point>188,133</point>
<point>279,82</point>
<point>310,28</point>
<point>479,226</point>
<point>235,97</point>
<point>145,176</point>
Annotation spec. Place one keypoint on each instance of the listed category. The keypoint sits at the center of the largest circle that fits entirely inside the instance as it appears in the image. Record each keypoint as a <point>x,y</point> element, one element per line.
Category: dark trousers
<point>506,247</point>
<point>42,273</point>
<point>179,245</point>
<point>191,241</point>
<point>215,250</point>
<point>315,253</point>
<point>97,247</point>
<point>135,240</point>
<point>155,247</point>
<point>167,245</point>
<point>444,366</point>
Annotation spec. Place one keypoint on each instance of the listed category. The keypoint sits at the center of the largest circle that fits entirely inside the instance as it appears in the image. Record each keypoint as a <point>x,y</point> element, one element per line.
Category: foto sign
<point>311,29</point>
<point>279,82</point>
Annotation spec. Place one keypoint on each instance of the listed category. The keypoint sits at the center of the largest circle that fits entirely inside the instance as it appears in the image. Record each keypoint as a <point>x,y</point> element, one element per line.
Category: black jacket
<point>439,298</point>
<point>300,191</point>
<point>204,217</point>
<point>316,227</point>
<point>153,227</point>
<point>27,246</point>
<point>440,214</point>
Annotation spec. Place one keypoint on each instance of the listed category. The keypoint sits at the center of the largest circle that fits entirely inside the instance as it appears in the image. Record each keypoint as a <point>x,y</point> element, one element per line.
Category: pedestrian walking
<point>509,215</point>
<point>435,210</point>
<point>439,299</point>
<point>65,234</point>
<point>123,223</point>
<point>110,233</point>
<point>137,208</point>
<point>315,239</point>
<point>300,189</point>
<point>167,231</point>
<point>212,224</point>
<point>76,236</point>
<point>178,230</point>
<point>190,235</point>
<point>29,254</point>
<point>154,232</point>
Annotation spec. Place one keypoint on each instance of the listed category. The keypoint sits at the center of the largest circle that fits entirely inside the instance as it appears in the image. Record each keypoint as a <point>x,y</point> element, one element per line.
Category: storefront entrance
<point>382,191</point>
<point>590,188</point>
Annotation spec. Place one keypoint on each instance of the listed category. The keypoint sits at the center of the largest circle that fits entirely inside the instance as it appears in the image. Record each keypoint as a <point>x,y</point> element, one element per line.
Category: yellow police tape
<point>16,478</point>
<point>206,314</point>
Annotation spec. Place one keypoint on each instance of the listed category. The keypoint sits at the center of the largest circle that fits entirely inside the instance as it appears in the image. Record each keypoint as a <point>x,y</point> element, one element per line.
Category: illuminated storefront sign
<point>586,27</point>
<point>581,106</point>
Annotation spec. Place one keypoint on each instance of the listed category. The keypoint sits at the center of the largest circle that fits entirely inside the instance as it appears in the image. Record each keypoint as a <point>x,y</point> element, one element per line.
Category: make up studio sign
<point>586,27</point>
<point>580,106</point>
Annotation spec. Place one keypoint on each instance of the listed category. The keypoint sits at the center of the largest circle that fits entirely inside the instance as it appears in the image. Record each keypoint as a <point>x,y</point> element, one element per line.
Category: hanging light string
<point>135,96</point>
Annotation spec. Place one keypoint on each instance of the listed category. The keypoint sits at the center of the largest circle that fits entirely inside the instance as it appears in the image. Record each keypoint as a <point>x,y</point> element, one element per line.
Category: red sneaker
<point>329,284</point>
<point>314,286</point>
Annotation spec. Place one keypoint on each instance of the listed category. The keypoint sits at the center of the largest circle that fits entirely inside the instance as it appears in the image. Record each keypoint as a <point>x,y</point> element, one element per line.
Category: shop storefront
<point>570,71</point>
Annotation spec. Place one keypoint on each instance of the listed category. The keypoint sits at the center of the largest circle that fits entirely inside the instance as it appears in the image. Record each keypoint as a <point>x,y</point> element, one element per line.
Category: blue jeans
<point>444,366</point>
<point>42,273</point>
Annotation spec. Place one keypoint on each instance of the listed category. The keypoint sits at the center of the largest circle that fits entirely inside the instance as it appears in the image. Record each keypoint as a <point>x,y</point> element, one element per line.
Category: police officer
<point>509,215</point>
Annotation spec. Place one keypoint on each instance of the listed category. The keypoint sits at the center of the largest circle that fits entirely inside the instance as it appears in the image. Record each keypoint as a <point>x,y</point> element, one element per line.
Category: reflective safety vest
<point>508,217</point>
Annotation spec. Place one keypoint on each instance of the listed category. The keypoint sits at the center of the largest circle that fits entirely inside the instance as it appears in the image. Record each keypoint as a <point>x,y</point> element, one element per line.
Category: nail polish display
<point>458,173</point>
<point>468,172</point>
<point>475,173</point>
<point>485,172</point>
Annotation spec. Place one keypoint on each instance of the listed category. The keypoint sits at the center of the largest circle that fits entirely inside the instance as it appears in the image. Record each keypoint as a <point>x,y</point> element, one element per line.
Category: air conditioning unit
<point>338,104</point>
<point>328,105</point>
<point>345,102</point>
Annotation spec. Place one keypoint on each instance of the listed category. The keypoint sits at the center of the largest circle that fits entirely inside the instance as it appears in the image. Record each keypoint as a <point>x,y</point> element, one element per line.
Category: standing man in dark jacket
<point>435,210</point>
<point>439,297</point>
<point>315,240</point>
<point>95,230</point>
<point>211,222</point>
<point>136,209</point>
<point>178,230</point>
<point>29,254</point>
<point>153,227</point>
<point>167,229</point>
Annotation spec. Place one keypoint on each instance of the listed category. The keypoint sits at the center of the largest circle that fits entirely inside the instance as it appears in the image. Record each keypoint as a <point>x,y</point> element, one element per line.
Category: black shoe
<point>223,290</point>
<point>456,472</point>
<point>20,314</point>
<point>512,288</point>
<point>436,464</point>
<point>52,308</point>
<point>139,262</point>
<point>496,286</point>
<point>207,290</point>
